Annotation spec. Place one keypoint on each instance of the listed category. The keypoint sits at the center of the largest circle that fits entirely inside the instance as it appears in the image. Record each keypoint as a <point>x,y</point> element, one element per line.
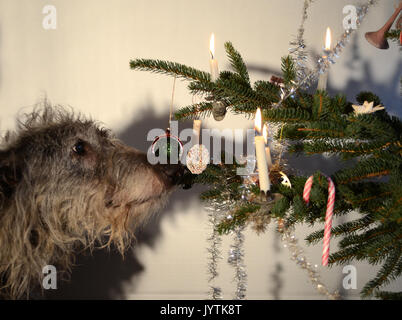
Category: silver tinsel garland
<point>217,211</point>
<point>297,254</point>
<point>236,260</point>
<point>298,46</point>
<point>305,76</point>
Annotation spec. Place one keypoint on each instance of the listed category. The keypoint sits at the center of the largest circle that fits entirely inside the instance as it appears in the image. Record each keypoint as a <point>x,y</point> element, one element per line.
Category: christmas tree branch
<point>195,111</point>
<point>386,273</point>
<point>237,62</point>
<point>170,68</point>
<point>345,228</point>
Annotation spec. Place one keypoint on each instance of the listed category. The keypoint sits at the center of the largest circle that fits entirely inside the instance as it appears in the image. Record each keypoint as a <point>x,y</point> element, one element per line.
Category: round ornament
<point>169,146</point>
<point>218,111</point>
<point>197,158</point>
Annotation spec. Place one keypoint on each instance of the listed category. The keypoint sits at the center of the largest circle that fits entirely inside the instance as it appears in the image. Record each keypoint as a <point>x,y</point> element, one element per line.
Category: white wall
<point>84,63</point>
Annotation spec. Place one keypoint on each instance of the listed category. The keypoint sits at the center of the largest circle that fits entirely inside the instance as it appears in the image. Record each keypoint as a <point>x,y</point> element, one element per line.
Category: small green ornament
<point>168,147</point>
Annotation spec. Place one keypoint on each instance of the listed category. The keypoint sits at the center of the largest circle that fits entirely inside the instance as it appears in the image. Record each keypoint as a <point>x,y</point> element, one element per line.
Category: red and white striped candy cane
<point>328,214</point>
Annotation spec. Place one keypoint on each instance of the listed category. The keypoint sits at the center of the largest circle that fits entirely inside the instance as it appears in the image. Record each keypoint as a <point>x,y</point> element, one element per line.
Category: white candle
<point>267,150</point>
<point>261,156</point>
<point>196,131</point>
<point>213,63</point>
<point>323,79</point>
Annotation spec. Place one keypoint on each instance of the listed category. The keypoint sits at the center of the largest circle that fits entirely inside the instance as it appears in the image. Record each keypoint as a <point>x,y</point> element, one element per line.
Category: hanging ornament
<point>366,108</point>
<point>197,159</point>
<point>218,110</point>
<point>285,180</point>
<point>168,146</point>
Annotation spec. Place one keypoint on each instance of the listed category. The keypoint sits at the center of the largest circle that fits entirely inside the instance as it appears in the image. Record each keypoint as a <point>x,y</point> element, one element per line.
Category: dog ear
<point>10,173</point>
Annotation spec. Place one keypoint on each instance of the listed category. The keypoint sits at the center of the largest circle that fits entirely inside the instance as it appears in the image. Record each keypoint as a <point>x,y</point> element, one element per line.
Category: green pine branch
<point>346,228</point>
<point>237,62</point>
<point>195,111</point>
<point>288,70</point>
<point>387,295</point>
<point>170,68</point>
<point>238,217</point>
<point>286,115</point>
<point>387,273</point>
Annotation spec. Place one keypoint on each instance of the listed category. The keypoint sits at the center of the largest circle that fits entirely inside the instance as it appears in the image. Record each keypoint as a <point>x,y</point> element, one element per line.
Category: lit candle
<point>260,153</point>
<point>267,150</point>
<point>196,131</point>
<point>213,63</point>
<point>323,79</point>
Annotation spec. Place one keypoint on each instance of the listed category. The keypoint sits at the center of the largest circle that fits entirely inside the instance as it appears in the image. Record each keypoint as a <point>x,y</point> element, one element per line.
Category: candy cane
<point>328,214</point>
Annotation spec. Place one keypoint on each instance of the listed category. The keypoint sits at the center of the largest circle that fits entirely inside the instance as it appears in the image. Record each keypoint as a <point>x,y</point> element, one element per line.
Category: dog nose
<point>174,172</point>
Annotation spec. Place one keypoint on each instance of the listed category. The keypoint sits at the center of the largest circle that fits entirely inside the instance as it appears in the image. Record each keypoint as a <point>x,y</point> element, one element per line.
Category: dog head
<point>64,182</point>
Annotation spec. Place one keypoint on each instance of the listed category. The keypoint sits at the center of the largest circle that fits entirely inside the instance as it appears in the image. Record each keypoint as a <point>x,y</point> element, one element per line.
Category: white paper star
<point>366,108</point>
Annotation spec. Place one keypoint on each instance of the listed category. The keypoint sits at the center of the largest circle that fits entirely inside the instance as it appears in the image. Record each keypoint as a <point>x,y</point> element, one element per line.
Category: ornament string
<point>171,102</point>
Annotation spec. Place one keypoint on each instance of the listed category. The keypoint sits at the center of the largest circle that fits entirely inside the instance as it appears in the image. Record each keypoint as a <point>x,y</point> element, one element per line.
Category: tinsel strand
<point>290,242</point>
<point>214,253</point>
<point>216,211</point>
<point>297,50</point>
<point>236,260</point>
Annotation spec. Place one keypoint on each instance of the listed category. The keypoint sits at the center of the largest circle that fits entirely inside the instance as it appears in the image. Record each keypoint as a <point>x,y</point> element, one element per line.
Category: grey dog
<point>68,183</point>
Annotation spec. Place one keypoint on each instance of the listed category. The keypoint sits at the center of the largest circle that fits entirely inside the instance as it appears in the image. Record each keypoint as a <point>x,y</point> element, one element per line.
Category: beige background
<point>84,63</point>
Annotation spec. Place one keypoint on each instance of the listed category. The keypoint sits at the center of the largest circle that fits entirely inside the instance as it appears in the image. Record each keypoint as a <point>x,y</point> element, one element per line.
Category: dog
<point>67,183</point>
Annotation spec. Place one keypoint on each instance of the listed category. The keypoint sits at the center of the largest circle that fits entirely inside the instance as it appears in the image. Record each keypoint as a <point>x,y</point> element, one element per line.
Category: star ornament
<point>366,108</point>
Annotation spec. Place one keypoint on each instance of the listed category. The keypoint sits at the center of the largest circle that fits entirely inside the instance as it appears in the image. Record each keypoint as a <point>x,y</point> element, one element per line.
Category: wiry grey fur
<point>54,200</point>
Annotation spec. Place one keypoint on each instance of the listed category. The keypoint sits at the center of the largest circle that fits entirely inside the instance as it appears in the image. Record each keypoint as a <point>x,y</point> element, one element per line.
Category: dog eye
<point>79,148</point>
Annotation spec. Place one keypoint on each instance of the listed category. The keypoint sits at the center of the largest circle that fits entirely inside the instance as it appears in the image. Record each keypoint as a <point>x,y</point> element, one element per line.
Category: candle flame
<point>212,45</point>
<point>265,133</point>
<point>328,40</point>
<point>258,121</point>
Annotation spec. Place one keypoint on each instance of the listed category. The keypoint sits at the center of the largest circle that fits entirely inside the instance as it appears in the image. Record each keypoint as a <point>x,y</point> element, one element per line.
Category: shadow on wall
<point>389,92</point>
<point>276,280</point>
<point>0,56</point>
<point>102,274</point>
